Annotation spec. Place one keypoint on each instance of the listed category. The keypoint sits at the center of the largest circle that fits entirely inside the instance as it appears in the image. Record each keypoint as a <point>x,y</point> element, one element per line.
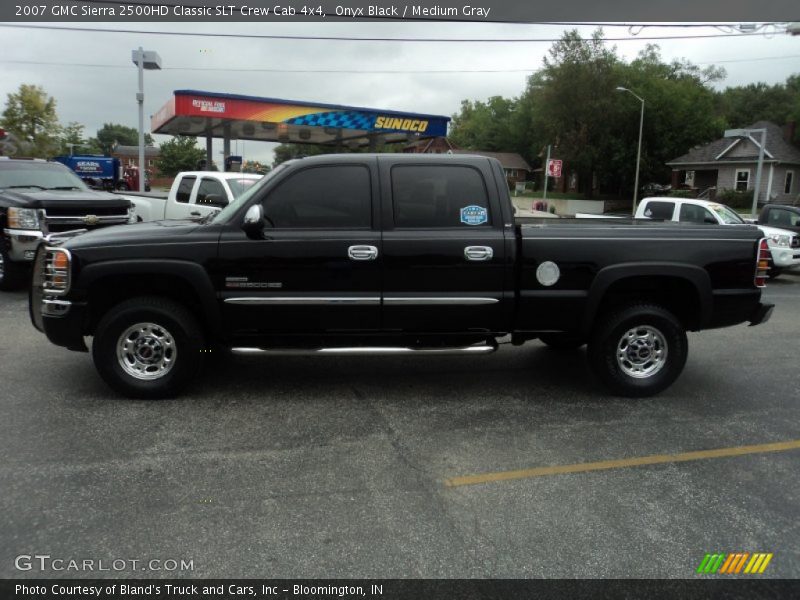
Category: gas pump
<point>233,164</point>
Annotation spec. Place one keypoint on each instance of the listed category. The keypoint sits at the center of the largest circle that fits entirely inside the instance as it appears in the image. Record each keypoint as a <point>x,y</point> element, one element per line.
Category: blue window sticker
<point>474,215</point>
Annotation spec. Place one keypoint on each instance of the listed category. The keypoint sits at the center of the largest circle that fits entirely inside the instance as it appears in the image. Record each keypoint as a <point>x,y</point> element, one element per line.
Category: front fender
<point>193,274</point>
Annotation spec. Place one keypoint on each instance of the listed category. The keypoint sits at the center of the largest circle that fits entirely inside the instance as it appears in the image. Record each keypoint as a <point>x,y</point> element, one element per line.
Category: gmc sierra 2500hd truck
<point>392,254</point>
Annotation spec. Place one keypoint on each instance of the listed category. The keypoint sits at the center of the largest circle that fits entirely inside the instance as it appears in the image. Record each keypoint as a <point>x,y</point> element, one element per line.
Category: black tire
<point>774,272</point>
<point>562,341</point>
<point>123,187</point>
<point>176,338</point>
<point>656,333</point>
<point>11,274</point>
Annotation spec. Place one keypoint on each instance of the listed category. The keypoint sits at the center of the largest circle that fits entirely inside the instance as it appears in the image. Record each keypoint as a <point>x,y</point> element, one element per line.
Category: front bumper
<point>61,321</point>
<point>785,258</point>
<point>22,243</point>
<point>761,314</point>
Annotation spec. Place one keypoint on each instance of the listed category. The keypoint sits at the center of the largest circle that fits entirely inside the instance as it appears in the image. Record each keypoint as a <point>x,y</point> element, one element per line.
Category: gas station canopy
<point>231,116</point>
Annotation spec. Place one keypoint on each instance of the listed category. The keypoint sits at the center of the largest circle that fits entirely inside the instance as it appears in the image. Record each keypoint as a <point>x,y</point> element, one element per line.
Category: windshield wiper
<point>31,185</point>
<point>63,187</point>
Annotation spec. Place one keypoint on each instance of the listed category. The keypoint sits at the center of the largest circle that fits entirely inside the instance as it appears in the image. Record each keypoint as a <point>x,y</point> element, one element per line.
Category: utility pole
<point>546,173</point>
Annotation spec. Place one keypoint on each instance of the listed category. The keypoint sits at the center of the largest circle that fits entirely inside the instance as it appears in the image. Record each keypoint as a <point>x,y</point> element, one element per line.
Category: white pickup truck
<point>194,194</point>
<point>783,244</point>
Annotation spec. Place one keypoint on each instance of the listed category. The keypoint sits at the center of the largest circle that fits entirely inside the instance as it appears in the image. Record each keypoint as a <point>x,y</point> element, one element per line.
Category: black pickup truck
<point>39,199</point>
<point>392,254</point>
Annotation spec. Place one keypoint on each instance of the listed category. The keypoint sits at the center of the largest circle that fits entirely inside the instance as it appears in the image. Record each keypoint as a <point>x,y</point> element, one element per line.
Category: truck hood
<point>775,231</point>
<point>63,199</point>
<point>152,232</point>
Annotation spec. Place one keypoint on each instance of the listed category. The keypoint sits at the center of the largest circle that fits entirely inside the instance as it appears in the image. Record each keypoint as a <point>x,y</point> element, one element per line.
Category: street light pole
<point>760,166</point>
<point>140,100</point>
<point>729,133</point>
<point>150,61</point>
<point>639,151</point>
<point>546,174</point>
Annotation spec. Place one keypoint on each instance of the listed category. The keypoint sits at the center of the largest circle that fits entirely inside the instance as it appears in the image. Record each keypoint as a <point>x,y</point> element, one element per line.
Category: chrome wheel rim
<point>642,352</point>
<point>146,351</point>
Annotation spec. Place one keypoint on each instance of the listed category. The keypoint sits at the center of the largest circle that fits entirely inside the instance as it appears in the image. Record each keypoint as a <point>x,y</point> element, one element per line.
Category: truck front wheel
<point>148,347</point>
<point>638,351</point>
<point>10,273</point>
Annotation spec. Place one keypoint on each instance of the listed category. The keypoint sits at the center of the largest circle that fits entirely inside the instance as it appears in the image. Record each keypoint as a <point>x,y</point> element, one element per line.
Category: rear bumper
<point>761,314</point>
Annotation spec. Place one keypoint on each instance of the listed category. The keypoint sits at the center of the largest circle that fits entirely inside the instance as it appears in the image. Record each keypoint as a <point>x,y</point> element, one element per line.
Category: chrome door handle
<point>478,253</point>
<point>362,252</point>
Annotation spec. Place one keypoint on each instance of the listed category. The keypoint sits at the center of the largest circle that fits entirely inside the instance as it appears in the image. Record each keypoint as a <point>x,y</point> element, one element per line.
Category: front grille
<point>795,241</point>
<point>81,212</point>
<point>61,219</point>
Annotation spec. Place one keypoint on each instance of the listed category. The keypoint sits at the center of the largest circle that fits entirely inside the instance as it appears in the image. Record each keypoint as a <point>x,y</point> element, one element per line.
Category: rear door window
<point>659,210</point>
<point>185,189</point>
<point>437,196</point>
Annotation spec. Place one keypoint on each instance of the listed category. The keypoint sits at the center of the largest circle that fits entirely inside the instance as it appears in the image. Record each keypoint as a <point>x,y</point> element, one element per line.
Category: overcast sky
<point>93,96</point>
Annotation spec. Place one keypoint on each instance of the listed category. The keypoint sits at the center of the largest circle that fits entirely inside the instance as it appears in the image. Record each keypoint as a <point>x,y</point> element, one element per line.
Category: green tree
<point>30,115</point>
<point>111,134</point>
<point>484,125</point>
<point>179,154</point>
<point>572,104</point>
<point>72,140</point>
<point>744,105</point>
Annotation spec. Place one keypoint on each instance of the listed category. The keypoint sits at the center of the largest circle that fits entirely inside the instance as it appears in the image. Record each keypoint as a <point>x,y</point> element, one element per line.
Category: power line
<point>350,71</point>
<point>363,39</point>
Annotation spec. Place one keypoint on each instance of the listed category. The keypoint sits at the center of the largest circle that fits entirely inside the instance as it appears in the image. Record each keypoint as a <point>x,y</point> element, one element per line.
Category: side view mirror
<point>710,221</point>
<point>213,200</point>
<point>253,224</point>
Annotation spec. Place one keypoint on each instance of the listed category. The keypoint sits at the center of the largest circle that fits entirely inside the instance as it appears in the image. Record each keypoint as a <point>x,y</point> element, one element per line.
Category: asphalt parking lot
<point>339,467</point>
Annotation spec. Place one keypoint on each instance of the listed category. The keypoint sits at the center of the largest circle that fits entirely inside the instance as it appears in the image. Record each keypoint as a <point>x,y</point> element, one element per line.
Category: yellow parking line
<point>639,461</point>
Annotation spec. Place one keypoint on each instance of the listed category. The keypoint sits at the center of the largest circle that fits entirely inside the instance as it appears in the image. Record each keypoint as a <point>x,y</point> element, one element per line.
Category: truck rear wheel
<point>638,351</point>
<point>148,347</point>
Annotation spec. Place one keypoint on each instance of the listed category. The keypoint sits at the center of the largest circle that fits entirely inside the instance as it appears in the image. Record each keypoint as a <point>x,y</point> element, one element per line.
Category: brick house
<point>129,156</point>
<point>731,163</point>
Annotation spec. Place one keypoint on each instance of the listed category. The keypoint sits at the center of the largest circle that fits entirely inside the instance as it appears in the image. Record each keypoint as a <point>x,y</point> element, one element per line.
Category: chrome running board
<point>365,351</point>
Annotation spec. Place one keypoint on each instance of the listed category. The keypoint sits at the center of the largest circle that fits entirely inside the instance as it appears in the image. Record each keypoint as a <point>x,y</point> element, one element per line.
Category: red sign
<point>554,168</point>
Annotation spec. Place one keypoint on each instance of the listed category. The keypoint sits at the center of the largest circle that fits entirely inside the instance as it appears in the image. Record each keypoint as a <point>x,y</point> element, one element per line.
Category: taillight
<point>763,261</point>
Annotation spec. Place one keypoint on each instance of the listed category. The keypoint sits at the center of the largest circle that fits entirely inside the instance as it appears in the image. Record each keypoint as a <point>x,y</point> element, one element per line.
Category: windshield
<point>40,176</point>
<point>240,186</point>
<point>231,209</point>
<point>726,215</point>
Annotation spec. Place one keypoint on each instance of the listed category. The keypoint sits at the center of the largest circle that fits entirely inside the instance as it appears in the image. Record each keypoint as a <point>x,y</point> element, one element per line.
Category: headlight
<point>23,218</point>
<point>781,240</point>
<point>57,271</point>
<point>132,214</point>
